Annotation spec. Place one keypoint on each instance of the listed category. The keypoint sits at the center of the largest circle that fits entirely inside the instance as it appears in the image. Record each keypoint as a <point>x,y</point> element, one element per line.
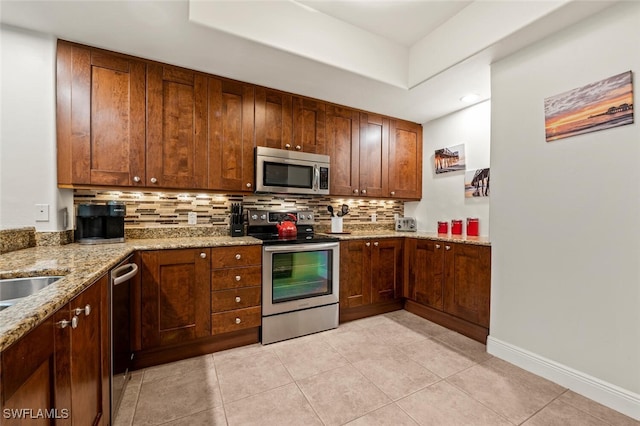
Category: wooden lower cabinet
<point>61,374</point>
<point>236,287</point>
<point>175,296</point>
<point>371,273</point>
<point>450,283</point>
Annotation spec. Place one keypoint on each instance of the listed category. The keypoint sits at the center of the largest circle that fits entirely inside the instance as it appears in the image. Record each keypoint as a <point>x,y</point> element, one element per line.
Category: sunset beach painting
<point>597,106</point>
<point>450,159</point>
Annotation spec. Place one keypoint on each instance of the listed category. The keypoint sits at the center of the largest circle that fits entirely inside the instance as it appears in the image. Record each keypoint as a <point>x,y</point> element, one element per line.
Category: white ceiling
<point>408,59</point>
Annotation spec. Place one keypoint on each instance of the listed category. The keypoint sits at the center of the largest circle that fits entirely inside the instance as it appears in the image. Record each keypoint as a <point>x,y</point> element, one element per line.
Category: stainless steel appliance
<point>100,223</point>
<point>292,172</point>
<point>407,224</point>
<point>120,314</point>
<point>300,277</point>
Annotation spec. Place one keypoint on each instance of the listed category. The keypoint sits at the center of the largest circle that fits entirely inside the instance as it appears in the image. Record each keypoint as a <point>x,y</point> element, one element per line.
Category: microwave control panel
<point>324,178</point>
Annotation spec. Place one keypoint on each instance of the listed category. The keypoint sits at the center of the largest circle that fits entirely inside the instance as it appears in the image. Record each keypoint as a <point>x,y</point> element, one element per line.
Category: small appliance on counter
<point>100,223</point>
<point>407,224</point>
<point>236,225</point>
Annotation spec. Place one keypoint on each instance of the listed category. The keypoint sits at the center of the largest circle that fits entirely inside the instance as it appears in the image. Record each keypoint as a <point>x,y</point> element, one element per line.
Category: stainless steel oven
<point>300,289</point>
<point>300,277</point>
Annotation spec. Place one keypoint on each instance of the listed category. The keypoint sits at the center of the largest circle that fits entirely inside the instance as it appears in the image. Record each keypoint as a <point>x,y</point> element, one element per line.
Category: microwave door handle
<point>316,177</point>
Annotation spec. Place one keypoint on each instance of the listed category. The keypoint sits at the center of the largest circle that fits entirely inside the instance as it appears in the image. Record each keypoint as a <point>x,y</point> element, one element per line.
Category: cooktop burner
<point>263,225</point>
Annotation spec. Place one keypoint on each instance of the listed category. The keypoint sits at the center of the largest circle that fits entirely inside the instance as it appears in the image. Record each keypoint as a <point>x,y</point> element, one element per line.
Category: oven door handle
<point>301,247</point>
<point>125,277</point>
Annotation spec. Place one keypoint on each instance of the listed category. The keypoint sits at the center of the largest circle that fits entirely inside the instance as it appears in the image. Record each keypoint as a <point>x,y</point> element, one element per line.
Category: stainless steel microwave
<point>291,172</point>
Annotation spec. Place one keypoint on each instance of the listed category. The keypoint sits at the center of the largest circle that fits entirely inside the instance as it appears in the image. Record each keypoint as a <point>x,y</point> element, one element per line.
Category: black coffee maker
<point>100,223</point>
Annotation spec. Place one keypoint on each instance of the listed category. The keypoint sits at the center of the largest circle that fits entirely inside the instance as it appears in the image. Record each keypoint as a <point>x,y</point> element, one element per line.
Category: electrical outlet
<point>42,212</point>
<point>374,217</point>
<point>192,218</point>
<point>396,216</point>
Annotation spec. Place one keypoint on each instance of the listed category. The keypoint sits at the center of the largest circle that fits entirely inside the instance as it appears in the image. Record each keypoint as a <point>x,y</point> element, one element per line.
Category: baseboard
<point>607,394</point>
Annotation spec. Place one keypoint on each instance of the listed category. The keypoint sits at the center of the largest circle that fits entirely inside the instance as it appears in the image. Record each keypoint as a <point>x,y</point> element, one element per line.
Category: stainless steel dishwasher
<point>120,313</point>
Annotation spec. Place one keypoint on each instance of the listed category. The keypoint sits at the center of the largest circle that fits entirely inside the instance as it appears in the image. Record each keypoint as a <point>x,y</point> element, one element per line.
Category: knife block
<point>237,230</point>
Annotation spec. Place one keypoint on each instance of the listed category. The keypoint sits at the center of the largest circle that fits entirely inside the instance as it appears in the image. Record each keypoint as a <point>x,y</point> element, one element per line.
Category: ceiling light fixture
<point>470,97</point>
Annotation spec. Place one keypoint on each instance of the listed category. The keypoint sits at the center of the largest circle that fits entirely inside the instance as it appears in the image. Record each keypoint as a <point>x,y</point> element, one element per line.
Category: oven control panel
<point>270,217</point>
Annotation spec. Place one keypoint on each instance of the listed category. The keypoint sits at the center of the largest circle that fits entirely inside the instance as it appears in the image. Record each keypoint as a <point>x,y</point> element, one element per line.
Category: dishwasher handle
<point>122,278</point>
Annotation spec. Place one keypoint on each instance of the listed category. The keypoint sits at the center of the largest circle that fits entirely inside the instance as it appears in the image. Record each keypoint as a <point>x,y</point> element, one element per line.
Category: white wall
<point>28,132</point>
<point>564,217</point>
<point>443,195</point>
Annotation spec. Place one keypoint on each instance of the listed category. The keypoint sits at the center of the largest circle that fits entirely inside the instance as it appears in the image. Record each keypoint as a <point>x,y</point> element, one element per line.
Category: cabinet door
<point>387,270</point>
<point>355,273</point>
<point>274,119</point>
<point>231,137</point>
<point>426,275</point>
<point>374,155</point>
<point>405,160</point>
<point>343,138</point>
<point>100,117</point>
<point>83,358</point>
<point>467,282</point>
<point>28,369</point>
<point>176,128</point>
<point>176,298</point>
<point>309,126</point>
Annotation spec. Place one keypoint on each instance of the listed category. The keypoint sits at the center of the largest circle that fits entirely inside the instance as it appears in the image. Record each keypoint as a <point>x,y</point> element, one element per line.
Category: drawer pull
<point>237,277</point>
<point>367,244</point>
<point>437,246</point>
<point>86,310</point>
<point>376,244</point>
<point>447,247</point>
<point>238,320</point>
<point>238,299</point>
<point>203,255</point>
<point>238,257</point>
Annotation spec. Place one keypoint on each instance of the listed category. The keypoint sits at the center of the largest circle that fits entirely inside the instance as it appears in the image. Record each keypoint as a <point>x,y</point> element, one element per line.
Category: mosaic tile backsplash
<point>170,209</point>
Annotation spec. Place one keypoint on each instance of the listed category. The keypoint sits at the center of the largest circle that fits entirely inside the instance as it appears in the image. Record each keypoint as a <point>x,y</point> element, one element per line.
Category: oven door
<point>299,276</point>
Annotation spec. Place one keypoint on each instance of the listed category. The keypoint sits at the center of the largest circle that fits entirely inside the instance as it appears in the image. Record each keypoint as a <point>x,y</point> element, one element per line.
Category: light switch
<point>42,213</point>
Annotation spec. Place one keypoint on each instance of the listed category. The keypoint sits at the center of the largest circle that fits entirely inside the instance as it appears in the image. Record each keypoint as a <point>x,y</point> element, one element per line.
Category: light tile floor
<point>393,369</point>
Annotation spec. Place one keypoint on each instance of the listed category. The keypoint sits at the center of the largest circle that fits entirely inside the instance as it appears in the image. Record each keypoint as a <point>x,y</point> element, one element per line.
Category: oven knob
<point>310,217</point>
<point>254,216</point>
<point>263,217</point>
<point>301,217</point>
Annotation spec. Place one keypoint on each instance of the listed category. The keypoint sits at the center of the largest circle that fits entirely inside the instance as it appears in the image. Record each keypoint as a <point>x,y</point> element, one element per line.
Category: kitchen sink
<point>14,289</point>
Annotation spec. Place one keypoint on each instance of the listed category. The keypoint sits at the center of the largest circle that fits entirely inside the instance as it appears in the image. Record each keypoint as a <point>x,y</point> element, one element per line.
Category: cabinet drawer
<point>226,300</point>
<point>235,320</point>
<point>223,279</point>
<point>232,257</point>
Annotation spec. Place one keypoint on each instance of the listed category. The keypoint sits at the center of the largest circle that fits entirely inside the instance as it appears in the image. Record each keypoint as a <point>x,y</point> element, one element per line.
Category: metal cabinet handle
<point>66,323</point>
<point>136,179</point>
<point>437,246</point>
<point>376,244</point>
<point>355,191</point>
<point>154,180</point>
<point>287,146</point>
<point>447,247</point>
<point>238,320</point>
<point>364,191</point>
<point>238,299</point>
<point>367,244</point>
<point>298,147</point>
<point>237,277</point>
<point>203,255</point>
<point>393,193</point>
<point>238,256</point>
<point>248,185</point>
<point>86,310</point>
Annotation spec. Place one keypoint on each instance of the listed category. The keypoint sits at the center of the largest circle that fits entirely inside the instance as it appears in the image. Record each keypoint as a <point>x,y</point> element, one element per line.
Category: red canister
<point>443,227</point>
<point>456,227</point>
<point>473,225</point>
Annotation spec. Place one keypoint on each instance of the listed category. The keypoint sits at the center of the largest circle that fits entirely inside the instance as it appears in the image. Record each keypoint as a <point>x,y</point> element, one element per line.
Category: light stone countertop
<point>81,265</point>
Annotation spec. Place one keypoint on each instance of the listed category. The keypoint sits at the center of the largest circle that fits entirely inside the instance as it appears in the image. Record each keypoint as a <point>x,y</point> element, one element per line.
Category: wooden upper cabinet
<point>176,128</point>
<point>373,156</point>
<point>231,136</point>
<point>274,119</point>
<point>405,160</point>
<point>100,117</point>
<point>343,139</point>
<point>309,126</point>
